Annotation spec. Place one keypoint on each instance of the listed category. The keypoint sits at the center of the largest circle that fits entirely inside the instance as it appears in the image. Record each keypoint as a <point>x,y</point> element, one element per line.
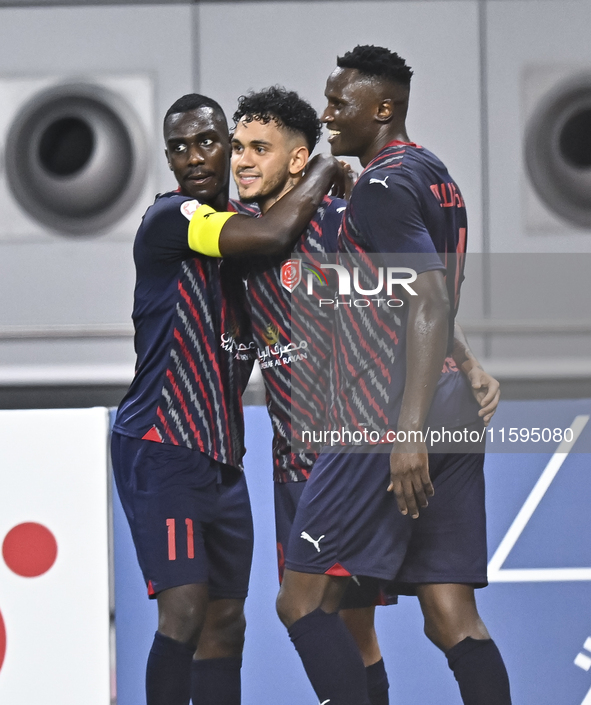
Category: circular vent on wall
<point>558,150</point>
<point>75,158</point>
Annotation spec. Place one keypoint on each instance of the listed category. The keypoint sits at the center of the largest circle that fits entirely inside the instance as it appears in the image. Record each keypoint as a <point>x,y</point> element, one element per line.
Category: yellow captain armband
<point>205,227</point>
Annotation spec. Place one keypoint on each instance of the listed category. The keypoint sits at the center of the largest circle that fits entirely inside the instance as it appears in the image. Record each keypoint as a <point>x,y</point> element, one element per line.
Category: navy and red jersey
<point>404,204</point>
<point>191,339</point>
<point>294,353</point>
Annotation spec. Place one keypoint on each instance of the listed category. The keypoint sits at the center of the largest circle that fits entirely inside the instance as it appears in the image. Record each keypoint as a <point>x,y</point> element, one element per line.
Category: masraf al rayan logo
<point>386,278</point>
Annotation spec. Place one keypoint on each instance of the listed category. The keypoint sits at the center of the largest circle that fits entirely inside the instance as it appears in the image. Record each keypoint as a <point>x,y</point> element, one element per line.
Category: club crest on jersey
<point>291,273</point>
<point>189,207</point>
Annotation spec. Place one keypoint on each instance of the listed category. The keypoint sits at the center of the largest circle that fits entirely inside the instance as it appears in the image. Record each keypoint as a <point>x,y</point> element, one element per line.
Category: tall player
<point>177,445</point>
<point>404,202</point>
<point>275,132</point>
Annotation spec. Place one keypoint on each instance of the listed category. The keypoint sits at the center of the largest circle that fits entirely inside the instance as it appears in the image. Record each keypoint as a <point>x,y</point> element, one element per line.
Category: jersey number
<point>171,524</point>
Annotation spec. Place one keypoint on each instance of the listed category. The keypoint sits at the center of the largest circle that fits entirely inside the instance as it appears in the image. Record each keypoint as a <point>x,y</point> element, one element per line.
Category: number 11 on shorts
<point>171,524</point>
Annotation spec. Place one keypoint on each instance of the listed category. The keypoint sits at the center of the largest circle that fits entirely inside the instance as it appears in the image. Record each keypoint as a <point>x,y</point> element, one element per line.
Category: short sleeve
<point>388,215</point>
<point>175,229</point>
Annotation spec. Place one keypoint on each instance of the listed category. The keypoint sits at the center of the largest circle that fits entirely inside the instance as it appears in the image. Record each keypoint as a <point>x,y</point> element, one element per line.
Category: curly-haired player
<point>285,108</point>
<point>275,133</point>
<point>275,130</point>
<point>387,377</point>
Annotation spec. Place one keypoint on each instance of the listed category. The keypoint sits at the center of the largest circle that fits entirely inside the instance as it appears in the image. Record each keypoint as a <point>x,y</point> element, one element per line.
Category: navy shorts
<point>347,523</point>
<point>362,591</point>
<point>189,516</point>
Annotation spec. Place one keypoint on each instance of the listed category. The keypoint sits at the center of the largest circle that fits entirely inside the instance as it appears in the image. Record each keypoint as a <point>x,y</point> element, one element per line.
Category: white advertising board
<point>54,562</point>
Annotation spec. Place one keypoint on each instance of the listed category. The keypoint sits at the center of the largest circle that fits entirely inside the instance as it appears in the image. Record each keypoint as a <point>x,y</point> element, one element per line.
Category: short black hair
<point>377,61</point>
<point>194,101</point>
<point>285,108</point>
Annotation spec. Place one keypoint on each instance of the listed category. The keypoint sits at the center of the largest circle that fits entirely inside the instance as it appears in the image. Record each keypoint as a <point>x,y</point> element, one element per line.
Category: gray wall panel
<point>70,281</point>
<point>251,45</point>
<point>525,34</point>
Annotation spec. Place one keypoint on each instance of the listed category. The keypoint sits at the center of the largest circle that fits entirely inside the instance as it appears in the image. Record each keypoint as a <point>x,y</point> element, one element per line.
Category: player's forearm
<point>462,354</point>
<point>426,346</point>
<point>283,223</point>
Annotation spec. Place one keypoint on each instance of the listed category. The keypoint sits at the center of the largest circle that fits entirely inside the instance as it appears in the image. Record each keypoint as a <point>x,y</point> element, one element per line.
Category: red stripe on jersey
<point>178,394</point>
<point>167,429</point>
<point>198,378</point>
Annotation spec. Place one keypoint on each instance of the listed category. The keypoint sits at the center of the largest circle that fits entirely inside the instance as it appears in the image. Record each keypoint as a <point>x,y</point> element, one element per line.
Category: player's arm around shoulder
<point>231,234</point>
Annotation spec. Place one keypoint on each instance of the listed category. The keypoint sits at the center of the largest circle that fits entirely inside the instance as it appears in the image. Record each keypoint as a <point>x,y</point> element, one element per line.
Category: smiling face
<point>267,161</point>
<point>198,152</point>
<point>350,116</point>
<point>363,113</point>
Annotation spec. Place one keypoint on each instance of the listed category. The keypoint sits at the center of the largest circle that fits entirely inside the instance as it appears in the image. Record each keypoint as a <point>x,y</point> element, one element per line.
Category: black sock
<point>216,681</point>
<point>377,683</point>
<point>331,658</point>
<point>168,675</point>
<point>481,674</point>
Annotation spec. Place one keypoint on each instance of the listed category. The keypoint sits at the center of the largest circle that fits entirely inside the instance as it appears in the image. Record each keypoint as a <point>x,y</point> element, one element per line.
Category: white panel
<point>252,45</point>
<point>53,471</point>
<point>523,38</point>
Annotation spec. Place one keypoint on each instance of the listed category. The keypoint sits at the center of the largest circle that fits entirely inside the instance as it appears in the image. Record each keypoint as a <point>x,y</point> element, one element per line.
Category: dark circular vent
<point>558,150</point>
<point>66,146</point>
<point>76,158</point>
<point>575,139</point>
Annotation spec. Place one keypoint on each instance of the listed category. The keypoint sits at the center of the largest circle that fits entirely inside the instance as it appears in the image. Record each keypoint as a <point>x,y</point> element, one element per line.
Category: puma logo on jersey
<point>306,536</point>
<point>379,181</point>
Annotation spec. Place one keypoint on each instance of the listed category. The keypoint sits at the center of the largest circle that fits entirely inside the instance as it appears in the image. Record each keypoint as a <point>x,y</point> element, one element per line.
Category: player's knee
<point>182,623</point>
<point>446,630</point>
<point>435,631</point>
<point>283,609</point>
<point>228,630</point>
<point>288,609</point>
<point>181,612</point>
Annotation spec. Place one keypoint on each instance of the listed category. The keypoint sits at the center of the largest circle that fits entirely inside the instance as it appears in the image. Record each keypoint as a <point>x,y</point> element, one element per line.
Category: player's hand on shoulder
<point>409,476</point>
<point>351,177</point>
<point>487,392</point>
<point>326,163</point>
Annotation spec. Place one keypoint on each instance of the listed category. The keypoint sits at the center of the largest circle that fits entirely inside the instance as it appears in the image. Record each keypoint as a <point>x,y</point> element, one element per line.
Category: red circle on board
<point>29,549</point>
<point>2,641</point>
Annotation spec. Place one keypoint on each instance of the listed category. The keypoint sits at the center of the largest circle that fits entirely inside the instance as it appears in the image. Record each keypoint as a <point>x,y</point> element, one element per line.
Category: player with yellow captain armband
<point>178,441</point>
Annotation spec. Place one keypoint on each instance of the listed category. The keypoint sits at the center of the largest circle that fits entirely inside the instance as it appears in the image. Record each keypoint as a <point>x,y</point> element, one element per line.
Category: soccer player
<point>275,133</point>
<point>177,445</point>
<point>389,380</point>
